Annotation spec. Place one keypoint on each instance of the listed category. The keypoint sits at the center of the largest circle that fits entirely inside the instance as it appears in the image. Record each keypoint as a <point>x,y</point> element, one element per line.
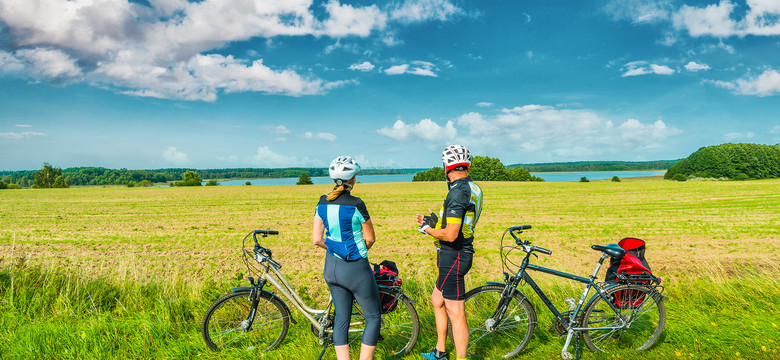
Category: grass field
<point>128,272</point>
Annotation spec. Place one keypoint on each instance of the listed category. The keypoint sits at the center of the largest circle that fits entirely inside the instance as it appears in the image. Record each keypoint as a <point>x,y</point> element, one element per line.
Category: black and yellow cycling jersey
<point>461,208</point>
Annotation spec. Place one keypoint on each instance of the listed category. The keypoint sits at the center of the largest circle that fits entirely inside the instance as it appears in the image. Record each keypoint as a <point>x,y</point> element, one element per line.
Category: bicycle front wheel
<point>400,324</point>
<point>641,308</point>
<point>226,323</point>
<point>505,337</point>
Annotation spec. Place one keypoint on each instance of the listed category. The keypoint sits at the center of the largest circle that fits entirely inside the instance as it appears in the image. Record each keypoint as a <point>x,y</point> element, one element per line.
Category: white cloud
<point>320,136</point>
<point>426,130</point>
<point>23,125</point>
<point>766,84</point>
<point>762,18</point>
<point>545,131</point>
<point>364,66</point>
<point>636,68</point>
<point>265,157</point>
<point>775,130</point>
<point>693,66</point>
<point>176,157</point>
<point>484,104</point>
<point>422,10</point>
<point>638,11</point>
<point>422,68</point>
<point>279,129</point>
<point>19,136</point>
<point>161,48</point>
<point>738,136</point>
<point>397,69</point>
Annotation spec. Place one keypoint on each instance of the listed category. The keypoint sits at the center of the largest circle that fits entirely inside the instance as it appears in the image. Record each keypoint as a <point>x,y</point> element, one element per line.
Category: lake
<point>547,176</point>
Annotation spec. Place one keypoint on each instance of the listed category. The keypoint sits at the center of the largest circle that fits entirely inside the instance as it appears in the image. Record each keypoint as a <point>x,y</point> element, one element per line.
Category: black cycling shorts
<point>453,266</point>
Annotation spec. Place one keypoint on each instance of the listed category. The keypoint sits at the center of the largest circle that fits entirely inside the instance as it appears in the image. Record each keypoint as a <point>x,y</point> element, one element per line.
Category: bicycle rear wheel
<point>640,306</point>
<point>400,325</point>
<point>226,323</point>
<point>510,335</point>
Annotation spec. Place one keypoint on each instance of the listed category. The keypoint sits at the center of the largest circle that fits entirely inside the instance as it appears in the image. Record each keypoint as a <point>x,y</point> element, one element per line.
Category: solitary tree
<point>189,178</point>
<point>304,179</point>
<point>615,179</point>
<point>49,177</point>
<point>584,179</point>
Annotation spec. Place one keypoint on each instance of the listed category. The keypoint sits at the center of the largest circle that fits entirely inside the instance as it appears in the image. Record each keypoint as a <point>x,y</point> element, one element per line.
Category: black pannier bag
<point>386,275</point>
<point>631,268</point>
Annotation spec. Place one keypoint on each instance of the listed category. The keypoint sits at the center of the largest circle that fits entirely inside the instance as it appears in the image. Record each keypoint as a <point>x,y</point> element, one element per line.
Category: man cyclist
<point>454,229</point>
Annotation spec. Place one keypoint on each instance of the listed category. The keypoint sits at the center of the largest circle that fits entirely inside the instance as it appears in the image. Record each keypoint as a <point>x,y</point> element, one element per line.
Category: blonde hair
<point>338,190</point>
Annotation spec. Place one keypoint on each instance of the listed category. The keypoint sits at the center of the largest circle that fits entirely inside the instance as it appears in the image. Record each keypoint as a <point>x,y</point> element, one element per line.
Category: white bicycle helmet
<point>455,156</point>
<point>343,169</point>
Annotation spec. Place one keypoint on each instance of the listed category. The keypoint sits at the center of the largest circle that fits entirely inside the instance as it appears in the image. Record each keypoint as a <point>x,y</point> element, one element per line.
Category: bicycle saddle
<point>613,250</point>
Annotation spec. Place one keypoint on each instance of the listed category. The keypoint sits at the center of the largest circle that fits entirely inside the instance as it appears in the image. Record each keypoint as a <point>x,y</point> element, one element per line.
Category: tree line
<point>483,168</point>
<point>583,166</point>
<point>732,161</point>
<point>104,176</point>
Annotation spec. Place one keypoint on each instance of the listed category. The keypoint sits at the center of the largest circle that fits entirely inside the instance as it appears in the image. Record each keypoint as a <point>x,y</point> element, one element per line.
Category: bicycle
<point>255,319</point>
<point>628,313</point>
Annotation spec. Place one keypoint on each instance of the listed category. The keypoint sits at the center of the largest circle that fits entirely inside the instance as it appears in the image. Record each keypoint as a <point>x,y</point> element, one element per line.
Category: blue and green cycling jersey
<point>343,218</point>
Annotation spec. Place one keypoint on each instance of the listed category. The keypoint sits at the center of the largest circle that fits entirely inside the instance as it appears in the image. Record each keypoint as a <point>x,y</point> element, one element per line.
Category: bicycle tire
<point>642,306</point>
<point>224,322</point>
<point>400,326</point>
<point>514,331</point>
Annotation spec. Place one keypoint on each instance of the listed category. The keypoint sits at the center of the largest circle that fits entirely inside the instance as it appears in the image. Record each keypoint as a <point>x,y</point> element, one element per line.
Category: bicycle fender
<point>393,289</point>
<point>242,288</point>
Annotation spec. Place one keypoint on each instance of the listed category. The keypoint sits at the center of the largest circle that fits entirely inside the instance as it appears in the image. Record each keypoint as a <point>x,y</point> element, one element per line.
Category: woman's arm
<point>368,233</point>
<point>318,232</point>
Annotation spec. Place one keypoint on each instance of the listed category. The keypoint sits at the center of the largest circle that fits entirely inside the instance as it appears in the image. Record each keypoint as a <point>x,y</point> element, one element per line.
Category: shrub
<point>247,183</point>
<point>3,185</point>
<point>212,182</point>
<point>144,183</point>
<point>304,179</point>
<point>14,186</point>
<point>584,179</point>
<point>615,179</point>
<point>679,177</point>
<point>131,184</point>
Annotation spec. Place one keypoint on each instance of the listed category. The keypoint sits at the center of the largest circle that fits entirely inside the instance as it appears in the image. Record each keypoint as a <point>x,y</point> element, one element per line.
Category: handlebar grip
<point>543,250</point>
<point>519,227</point>
<point>266,232</point>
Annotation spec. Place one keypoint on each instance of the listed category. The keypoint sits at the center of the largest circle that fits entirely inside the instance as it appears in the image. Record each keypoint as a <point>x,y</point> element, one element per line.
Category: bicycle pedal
<point>566,355</point>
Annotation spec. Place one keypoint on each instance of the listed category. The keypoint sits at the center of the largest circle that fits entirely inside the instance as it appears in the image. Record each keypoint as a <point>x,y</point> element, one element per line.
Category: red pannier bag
<point>386,275</point>
<point>632,268</point>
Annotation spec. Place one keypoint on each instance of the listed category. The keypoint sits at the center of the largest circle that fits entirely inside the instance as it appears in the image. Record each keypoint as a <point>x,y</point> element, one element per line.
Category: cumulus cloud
<point>364,66</point>
<point>422,68</point>
<point>426,130</point>
<point>766,84</point>
<point>320,136</point>
<point>411,11</point>
<point>725,19</point>
<point>734,136</point>
<point>636,68</point>
<point>176,157</point>
<point>20,136</point>
<point>23,125</point>
<point>775,130</point>
<point>638,11</point>
<point>693,66</point>
<point>484,104</point>
<point>278,129</point>
<point>164,48</point>
<point>265,157</point>
<point>547,131</point>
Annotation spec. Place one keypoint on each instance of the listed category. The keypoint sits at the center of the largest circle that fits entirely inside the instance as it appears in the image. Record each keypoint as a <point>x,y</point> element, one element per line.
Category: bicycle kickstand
<point>326,342</point>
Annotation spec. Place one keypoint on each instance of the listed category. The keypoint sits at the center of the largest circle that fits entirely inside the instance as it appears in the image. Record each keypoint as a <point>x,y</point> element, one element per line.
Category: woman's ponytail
<point>333,195</point>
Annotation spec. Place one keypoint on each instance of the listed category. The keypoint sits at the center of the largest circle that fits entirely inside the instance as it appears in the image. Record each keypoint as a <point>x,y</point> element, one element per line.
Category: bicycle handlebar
<point>266,232</point>
<point>519,227</point>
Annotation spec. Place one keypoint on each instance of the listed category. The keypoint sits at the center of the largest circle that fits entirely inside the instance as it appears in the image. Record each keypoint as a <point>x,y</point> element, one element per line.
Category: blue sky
<point>279,83</point>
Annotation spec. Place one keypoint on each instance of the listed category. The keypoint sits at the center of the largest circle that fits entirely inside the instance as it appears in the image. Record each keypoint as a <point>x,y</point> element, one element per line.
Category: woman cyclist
<point>348,234</point>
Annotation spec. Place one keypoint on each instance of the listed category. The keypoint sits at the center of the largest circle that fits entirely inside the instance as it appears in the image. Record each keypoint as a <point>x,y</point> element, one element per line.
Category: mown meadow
<point>96,272</point>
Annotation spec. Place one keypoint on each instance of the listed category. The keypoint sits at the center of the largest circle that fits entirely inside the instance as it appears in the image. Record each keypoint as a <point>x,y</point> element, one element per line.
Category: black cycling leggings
<point>350,280</point>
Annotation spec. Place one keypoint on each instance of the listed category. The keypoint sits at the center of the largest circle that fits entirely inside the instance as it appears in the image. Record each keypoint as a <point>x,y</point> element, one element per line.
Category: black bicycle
<point>256,320</point>
<point>624,314</point>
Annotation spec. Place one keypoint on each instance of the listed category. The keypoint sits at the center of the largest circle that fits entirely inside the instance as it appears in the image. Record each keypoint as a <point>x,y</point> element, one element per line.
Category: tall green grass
<point>64,314</point>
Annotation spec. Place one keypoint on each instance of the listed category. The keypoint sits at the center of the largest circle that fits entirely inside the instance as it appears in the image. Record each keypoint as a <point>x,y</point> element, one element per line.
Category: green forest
<point>731,161</point>
<point>103,176</point>
<point>482,168</point>
<point>581,166</point>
